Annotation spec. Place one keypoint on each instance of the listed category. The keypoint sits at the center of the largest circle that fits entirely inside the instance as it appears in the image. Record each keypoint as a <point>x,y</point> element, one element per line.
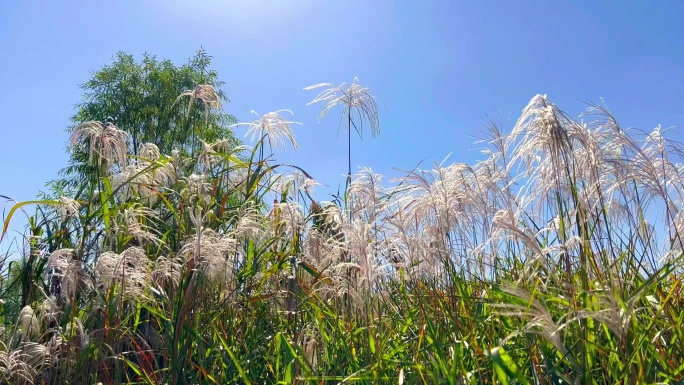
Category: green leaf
<point>241,372</point>
<point>505,368</point>
<point>18,206</point>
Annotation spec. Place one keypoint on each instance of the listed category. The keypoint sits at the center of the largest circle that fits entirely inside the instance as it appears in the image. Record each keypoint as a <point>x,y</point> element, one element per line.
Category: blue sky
<point>440,67</point>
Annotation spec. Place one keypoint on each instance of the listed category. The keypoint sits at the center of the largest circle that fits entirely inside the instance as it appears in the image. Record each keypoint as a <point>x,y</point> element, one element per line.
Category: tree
<point>139,97</point>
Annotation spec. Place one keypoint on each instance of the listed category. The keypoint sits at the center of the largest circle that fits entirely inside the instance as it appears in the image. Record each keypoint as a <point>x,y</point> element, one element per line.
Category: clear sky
<point>440,67</point>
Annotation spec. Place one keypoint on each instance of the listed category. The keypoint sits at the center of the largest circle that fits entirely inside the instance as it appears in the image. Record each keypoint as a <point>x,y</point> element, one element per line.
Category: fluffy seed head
<point>274,127</point>
<point>105,141</point>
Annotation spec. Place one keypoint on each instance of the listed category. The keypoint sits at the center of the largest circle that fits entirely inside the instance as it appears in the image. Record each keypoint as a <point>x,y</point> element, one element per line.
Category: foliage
<point>139,98</point>
<point>556,259</point>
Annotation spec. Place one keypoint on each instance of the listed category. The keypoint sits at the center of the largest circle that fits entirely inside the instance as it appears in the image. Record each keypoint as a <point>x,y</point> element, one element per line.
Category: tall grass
<point>555,259</point>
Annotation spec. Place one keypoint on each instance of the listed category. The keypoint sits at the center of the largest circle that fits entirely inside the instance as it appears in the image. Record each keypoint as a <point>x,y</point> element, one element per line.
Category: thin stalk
<point>346,189</point>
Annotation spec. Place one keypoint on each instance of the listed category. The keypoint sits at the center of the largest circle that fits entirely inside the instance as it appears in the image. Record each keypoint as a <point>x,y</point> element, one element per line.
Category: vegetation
<point>144,98</point>
<point>555,259</point>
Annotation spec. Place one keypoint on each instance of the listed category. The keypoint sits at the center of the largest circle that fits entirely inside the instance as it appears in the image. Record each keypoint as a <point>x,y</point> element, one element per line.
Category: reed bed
<point>556,259</point>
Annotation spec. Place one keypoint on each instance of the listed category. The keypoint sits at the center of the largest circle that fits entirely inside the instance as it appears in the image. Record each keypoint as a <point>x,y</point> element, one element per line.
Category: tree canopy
<point>142,99</point>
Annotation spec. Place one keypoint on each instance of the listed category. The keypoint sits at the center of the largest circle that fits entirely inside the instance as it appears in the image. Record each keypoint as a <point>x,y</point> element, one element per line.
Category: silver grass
<point>288,216</point>
<point>357,102</point>
<point>58,261</point>
<point>327,247</point>
<point>204,93</point>
<point>250,224</point>
<point>137,221</point>
<point>207,156</point>
<point>21,366</point>
<point>617,315</point>
<point>293,183</point>
<point>68,209</point>
<point>130,270</point>
<point>135,181</point>
<point>76,334</point>
<point>539,320</point>
<point>441,203</point>
<point>55,349</point>
<point>544,147</point>
<point>49,313</point>
<point>366,193</point>
<point>325,250</point>
<point>28,321</point>
<point>274,127</point>
<point>197,189</point>
<point>66,275</point>
<point>210,152</point>
<point>178,162</point>
<point>333,215</point>
<point>506,222</point>
<point>105,141</point>
<point>653,167</point>
<point>408,246</point>
<point>237,175</point>
<point>211,254</point>
<point>167,271</point>
<point>542,127</point>
<point>436,196</point>
<point>363,248</point>
<point>309,341</point>
<point>145,177</point>
<point>150,151</point>
<point>317,250</point>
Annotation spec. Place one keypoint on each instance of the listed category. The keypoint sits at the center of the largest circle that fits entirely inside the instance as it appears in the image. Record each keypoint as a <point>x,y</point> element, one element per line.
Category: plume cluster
<point>566,228</point>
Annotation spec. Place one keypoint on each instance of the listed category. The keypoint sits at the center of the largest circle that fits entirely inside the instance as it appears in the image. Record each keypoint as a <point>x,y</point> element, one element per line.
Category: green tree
<point>140,98</point>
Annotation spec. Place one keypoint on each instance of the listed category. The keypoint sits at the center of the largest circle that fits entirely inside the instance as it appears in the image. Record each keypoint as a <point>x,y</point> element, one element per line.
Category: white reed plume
<point>210,154</point>
<point>539,319</point>
<point>138,221</point>
<point>59,260</point>
<point>323,250</point>
<point>288,217</point>
<point>167,271</point>
<point>654,170</point>
<point>250,224</point>
<point>49,313</point>
<point>68,208</point>
<point>542,127</point>
<point>135,181</point>
<point>130,269</point>
<point>211,254</point>
<point>22,365</point>
<point>105,141</point>
<point>197,189</point>
<point>611,310</point>
<point>28,322</point>
<point>507,224</point>
<point>150,151</point>
<point>274,126</point>
<point>144,178</point>
<point>441,200</point>
<point>55,350</point>
<point>363,245</point>
<point>544,148</point>
<point>358,104</point>
<point>293,183</point>
<point>65,274</point>
<point>204,93</point>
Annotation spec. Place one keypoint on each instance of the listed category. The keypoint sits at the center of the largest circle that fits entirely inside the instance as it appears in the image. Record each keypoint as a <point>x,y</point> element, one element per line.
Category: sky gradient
<point>439,66</point>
